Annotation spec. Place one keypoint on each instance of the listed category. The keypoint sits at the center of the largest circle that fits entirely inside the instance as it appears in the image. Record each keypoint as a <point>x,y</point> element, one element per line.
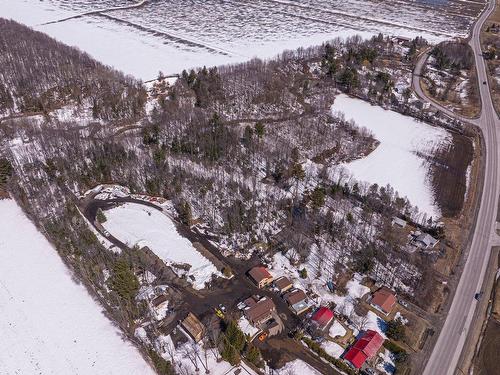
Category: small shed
<point>194,327</point>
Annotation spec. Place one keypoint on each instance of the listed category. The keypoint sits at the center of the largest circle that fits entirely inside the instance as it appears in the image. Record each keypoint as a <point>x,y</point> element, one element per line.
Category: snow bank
<point>48,323</point>
<point>334,349</point>
<point>136,224</point>
<point>337,329</point>
<point>297,367</point>
<point>395,161</point>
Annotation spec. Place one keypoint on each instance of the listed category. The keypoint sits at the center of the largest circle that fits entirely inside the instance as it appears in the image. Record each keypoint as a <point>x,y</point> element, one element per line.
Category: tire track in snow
<point>99,11</point>
<point>303,17</point>
<point>172,36</point>
<point>358,17</point>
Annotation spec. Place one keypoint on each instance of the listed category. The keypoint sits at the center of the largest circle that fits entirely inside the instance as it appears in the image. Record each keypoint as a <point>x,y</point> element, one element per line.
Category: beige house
<point>260,276</point>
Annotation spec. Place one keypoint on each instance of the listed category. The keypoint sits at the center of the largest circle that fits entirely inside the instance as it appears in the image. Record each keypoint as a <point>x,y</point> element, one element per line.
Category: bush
<point>253,355</point>
<point>227,272</point>
<point>162,366</point>
<point>303,273</point>
<point>400,355</point>
<point>5,171</point>
<point>315,347</point>
<point>100,217</point>
<point>396,330</point>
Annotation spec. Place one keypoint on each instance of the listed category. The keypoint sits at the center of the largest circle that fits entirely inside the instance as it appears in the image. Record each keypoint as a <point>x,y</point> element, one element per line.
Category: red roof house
<point>366,347</point>
<point>384,299</point>
<point>356,357</point>
<point>322,317</point>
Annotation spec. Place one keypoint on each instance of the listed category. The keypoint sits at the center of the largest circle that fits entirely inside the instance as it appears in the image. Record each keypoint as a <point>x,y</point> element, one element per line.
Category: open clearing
<point>400,158</point>
<point>136,224</point>
<point>48,323</point>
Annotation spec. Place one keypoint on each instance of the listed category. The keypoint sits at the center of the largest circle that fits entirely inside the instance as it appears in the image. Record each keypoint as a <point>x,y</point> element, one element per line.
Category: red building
<point>322,317</point>
<point>366,347</point>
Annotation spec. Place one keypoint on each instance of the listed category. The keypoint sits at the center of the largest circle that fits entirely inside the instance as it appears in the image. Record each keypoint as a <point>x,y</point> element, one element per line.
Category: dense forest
<point>40,74</point>
<point>252,150</point>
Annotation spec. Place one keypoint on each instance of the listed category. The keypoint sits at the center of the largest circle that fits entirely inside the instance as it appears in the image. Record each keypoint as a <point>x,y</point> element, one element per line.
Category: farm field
<point>170,35</point>
<point>50,324</point>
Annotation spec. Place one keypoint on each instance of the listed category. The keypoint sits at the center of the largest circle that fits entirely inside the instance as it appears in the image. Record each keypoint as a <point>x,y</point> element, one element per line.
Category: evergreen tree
<point>100,217</point>
<point>260,129</point>
<point>123,281</point>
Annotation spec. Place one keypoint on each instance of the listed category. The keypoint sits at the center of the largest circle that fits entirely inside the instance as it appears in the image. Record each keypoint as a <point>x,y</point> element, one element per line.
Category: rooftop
<point>282,282</point>
<point>384,298</point>
<point>193,325</point>
<point>259,273</point>
<point>322,316</point>
<point>295,296</point>
<point>261,310</point>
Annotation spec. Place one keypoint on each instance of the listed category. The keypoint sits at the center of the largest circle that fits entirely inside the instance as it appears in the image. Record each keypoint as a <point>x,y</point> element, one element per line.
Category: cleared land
<point>49,324</point>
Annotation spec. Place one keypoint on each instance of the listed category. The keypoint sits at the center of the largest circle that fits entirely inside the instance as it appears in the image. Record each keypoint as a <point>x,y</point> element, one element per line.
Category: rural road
<point>448,348</point>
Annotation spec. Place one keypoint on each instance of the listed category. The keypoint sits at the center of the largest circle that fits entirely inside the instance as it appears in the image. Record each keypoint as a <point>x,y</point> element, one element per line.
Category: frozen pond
<point>48,323</point>
<point>396,160</point>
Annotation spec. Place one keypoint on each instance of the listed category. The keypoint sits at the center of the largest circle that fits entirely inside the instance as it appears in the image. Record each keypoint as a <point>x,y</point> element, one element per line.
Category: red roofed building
<point>355,357</point>
<point>322,317</point>
<point>384,300</point>
<point>366,347</point>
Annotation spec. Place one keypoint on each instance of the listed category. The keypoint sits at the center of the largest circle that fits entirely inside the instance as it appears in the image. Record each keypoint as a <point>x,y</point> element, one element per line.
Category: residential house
<point>322,318</point>
<point>260,276</point>
<point>260,310</point>
<point>396,221</point>
<point>365,348</point>
<point>425,241</point>
<point>383,300</point>
<point>283,284</point>
<point>194,327</point>
<point>297,300</point>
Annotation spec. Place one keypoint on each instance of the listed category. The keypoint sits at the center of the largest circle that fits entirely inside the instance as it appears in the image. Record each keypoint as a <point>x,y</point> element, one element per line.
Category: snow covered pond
<point>48,323</point>
<point>396,160</point>
<point>137,224</point>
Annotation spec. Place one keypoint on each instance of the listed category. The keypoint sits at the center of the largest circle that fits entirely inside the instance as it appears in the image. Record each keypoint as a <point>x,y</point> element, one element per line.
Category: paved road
<point>448,348</point>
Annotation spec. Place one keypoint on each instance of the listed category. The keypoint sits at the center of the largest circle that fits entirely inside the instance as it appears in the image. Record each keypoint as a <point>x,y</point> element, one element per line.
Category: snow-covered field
<point>398,159</point>
<point>170,35</point>
<point>335,350</point>
<point>297,367</point>
<point>48,323</point>
<point>136,224</point>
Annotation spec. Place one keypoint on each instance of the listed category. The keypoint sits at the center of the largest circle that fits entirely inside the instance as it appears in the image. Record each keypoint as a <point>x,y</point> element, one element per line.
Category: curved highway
<point>448,348</point>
